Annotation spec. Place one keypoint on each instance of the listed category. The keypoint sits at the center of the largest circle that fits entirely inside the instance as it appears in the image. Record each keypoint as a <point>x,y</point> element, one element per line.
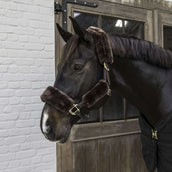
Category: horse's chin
<point>65,137</point>
<point>61,139</point>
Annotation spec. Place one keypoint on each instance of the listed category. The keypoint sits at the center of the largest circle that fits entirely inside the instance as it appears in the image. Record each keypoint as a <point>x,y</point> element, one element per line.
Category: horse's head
<point>78,71</point>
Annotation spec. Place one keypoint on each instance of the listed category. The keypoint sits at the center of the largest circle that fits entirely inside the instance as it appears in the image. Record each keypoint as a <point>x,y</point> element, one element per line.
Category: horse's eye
<point>77,67</point>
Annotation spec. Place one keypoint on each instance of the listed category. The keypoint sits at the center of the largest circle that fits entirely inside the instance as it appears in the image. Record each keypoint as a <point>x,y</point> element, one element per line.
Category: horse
<point>94,62</point>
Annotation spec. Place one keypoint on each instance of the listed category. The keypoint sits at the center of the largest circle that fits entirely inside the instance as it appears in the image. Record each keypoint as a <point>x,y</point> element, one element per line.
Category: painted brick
<point>23,38</point>
<point>14,140</point>
<point>25,154</point>
<point>3,84</point>
<point>3,133</point>
<point>25,123</point>
<point>3,36</point>
<point>14,101</point>
<point>4,101</point>
<point>25,84</point>
<point>13,85</point>
<point>9,117</point>
<point>25,116</point>
<point>26,69</point>
<point>35,137</point>
<point>14,148</point>
<point>3,149</point>
<point>12,37</point>
<point>13,69</point>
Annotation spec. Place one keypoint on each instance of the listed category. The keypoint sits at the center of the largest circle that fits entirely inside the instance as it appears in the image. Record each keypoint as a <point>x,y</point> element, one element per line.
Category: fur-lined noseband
<point>63,103</point>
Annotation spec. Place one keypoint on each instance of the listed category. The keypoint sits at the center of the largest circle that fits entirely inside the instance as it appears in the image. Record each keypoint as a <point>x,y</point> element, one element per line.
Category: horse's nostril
<point>49,134</point>
<point>49,129</point>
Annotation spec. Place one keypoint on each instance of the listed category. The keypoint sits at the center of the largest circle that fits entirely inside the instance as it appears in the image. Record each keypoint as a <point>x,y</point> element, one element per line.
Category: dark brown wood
<point>162,19</point>
<point>147,4</point>
<point>67,157</point>
<point>113,146</point>
<point>103,155</point>
<point>78,157</point>
<point>84,156</point>
<point>104,130</point>
<point>114,154</point>
<point>91,155</point>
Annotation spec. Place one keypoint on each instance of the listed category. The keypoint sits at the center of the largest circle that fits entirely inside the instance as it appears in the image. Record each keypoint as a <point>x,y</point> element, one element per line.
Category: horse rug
<point>157,144</point>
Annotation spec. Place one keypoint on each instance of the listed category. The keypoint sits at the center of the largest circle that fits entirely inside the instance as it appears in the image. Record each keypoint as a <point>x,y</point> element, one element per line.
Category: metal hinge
<point>155,134</point>
<point>57,8</point>
<point>63,8</point>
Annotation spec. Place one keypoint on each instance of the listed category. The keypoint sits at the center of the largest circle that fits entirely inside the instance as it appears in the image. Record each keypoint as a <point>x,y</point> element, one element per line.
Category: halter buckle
<point>74,110</point>
<point>109,92</point>
<point>155,134</point>
<point>106,67</point>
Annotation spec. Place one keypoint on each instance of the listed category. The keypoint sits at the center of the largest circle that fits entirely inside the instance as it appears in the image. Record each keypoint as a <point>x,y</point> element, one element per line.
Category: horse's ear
<point>64,34</point>
<point>81,32</point>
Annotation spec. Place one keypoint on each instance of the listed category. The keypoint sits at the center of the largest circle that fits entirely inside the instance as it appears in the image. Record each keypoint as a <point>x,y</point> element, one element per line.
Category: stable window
<point>111,24</point>
<point>163,29</point>
<point>167,30</point>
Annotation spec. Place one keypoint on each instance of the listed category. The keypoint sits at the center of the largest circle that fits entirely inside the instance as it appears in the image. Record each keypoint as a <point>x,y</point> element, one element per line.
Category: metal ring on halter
<point>106,66</point>
<point>74,110</point>
<point>109,92</point>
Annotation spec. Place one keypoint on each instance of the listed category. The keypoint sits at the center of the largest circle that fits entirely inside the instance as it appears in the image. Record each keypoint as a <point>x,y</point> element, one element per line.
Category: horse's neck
<point>143,85</point>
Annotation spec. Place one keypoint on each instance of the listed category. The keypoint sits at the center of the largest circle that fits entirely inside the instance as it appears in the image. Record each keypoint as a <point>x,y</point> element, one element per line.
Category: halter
<point>65,104</point>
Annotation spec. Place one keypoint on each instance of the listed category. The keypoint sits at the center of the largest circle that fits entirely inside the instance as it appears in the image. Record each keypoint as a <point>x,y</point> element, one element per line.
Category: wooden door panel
<point>91,155</point>
<point>78,157</point>
<point>85,156</point>
<point>103,155</point>
<point>115,154</point>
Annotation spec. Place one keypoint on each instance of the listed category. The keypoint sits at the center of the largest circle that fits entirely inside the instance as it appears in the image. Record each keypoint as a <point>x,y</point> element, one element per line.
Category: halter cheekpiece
<point>65,104</point>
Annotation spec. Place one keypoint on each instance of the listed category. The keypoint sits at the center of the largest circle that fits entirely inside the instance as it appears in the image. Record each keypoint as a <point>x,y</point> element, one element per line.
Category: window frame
<point>132,13</point>
<point>161,19</point>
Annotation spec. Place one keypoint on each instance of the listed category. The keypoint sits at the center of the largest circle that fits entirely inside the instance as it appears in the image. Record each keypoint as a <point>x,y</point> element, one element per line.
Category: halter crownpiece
<point>103,49</point>
<point>65,104</point>
<point>103,45</point>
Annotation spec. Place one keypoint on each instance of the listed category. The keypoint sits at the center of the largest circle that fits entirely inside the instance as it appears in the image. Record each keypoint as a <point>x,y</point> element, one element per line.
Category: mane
<point>127,47</point>
<point>137,49</point>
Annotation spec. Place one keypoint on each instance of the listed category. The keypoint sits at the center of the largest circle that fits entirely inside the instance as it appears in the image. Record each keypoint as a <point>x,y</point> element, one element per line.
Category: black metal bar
<point>57,8</point>
<point>63,8</point>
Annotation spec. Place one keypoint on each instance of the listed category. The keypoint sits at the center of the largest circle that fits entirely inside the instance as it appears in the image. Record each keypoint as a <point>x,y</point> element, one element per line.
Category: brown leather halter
<point>65,104</point>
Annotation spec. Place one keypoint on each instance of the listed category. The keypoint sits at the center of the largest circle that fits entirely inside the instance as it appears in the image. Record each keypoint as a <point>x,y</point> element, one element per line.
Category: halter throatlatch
<point>65,104</point>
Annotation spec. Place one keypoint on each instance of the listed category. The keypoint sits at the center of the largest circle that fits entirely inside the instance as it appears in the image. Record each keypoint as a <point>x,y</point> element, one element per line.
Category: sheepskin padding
<point>62,102</point>
<point>57,99</point>
<point>103,45</point>
<point>96,93</point>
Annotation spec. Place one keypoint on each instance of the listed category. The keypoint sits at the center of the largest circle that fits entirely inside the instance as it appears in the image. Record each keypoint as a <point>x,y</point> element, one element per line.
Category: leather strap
<point>62,102</point>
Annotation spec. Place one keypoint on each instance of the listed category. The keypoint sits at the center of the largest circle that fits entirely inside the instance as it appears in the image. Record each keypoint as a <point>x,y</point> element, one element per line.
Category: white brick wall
<point>26,69</point>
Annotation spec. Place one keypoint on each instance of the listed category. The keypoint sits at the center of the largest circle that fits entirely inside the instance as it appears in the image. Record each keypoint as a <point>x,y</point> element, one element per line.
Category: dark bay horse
<point>141,72</point>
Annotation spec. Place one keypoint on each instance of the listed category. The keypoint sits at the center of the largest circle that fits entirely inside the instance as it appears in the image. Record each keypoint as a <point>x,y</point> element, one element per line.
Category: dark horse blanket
<point>157,147</point>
